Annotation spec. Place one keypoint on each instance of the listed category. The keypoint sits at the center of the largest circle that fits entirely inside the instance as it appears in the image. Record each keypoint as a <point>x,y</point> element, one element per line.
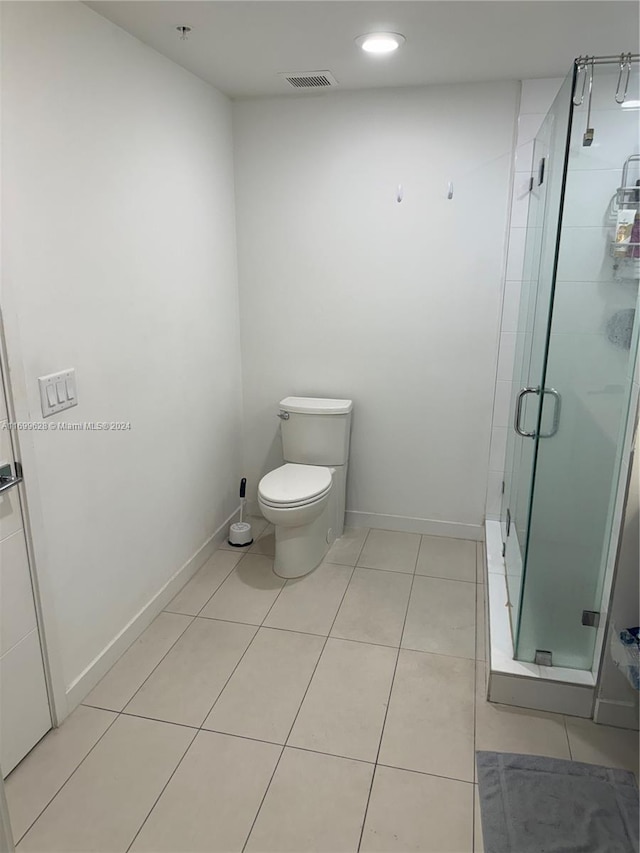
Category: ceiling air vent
<point>309,79</point>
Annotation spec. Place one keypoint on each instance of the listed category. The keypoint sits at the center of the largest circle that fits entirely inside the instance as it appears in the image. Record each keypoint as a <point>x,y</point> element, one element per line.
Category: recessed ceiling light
<point>380,42</point>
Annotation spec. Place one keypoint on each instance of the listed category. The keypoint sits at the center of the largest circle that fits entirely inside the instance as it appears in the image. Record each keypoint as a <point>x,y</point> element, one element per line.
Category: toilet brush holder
<point>240,535</point>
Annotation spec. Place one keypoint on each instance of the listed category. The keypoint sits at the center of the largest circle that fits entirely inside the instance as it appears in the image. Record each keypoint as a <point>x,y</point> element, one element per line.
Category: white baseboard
<point>88,679</point>
<point>406,524</point>
<point>623,715</point>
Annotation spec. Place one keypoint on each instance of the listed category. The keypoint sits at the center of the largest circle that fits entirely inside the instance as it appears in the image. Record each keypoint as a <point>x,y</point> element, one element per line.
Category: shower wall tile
<point>538,95</point>
<point>498,448</point>
<point>494,495</point>
<point>511,306</point>
<point>524,158</point>
<point>515,254</point>
<point>584,254</point>
<point>502,403</point>
<point>610,143</point>
<point>528,126</point>
<point>520,200</point>
<point>506,355</point>
<point>589,202</point>
<point>586,306</point>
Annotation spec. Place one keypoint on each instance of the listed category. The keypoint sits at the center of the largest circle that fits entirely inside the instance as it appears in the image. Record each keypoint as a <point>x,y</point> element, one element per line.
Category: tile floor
<point>338,712</point>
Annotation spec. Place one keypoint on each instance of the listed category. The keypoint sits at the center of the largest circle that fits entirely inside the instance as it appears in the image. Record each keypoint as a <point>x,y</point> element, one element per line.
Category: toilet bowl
<point>305,498</point>
<point>296,499</point>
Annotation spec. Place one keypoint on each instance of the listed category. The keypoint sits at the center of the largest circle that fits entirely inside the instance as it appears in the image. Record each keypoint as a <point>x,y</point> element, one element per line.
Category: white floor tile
<point>411,811</point>
<point>595,744</point>
<point>429,726</point>
<point>374,607</point>
<point>343,711</point>
<point>441,617</point>
<point>442,557</point>
<point>310,603</point>
<point>189,680</point>
<point>315,804</point>
<point>193,597</point>
<point>264,694</point>
<point>107,799</point>
<point>478,841</point>
<point>138,662</point>
<point>391,551</point>
<point>39,776</point>
<point>248,593</point>
<point>265,543</point>
<point>210,803</point>
<point>503,728</point>
<point>346,550</point>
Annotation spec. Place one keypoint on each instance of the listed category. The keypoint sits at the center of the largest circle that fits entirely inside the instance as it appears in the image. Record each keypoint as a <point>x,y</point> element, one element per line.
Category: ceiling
<point>240,45</point>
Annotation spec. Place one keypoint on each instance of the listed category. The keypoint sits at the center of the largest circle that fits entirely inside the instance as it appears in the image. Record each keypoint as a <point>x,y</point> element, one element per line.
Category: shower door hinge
<point>543,657</point>
<point>541,169</point>
<point>508,521</point>
<point>590,618</point>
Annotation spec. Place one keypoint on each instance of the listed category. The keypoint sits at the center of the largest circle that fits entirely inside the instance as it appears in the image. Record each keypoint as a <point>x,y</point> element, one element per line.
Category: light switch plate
<point>58,391</point>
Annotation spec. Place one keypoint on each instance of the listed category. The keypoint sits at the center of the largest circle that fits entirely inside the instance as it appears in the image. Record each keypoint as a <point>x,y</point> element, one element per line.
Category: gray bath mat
<point>531,804</point>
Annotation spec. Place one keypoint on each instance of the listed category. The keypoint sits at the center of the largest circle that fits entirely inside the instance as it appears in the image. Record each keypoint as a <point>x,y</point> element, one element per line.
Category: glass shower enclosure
<point>576,349</point>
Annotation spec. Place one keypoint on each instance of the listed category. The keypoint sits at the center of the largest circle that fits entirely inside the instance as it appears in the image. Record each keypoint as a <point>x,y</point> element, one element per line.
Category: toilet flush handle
<point>284,416</point>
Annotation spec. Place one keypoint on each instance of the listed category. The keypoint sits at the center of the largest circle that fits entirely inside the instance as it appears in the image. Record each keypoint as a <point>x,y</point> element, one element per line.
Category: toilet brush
<point>240,532</point>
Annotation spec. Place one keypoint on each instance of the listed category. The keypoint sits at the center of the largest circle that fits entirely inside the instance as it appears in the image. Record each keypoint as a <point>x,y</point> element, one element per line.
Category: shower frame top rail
<point>603,60</point>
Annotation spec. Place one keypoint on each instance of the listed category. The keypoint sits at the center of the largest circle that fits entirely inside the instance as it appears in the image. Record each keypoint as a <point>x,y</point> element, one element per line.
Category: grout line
<point>158,720</point>
<point>424,773</point>
<point>164,787</point>
<point>386,710</point>
<point>159,662</point>
<point>74,771</point>
<point>224,580</point>
<point>298,711</point>
<point>566,732</point>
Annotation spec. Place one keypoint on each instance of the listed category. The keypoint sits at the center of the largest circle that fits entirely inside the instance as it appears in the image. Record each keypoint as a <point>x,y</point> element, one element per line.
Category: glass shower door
<point>548,168</point>
<point>588,360</point>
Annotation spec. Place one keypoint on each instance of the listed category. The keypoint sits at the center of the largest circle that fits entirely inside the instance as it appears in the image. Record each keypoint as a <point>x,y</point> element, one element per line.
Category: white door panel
<point>17,612</point>
<point>10,510</point>
<point>25,716</point>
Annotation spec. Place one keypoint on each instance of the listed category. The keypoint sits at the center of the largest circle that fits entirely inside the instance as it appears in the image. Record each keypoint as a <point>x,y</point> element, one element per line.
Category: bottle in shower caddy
<point>634,248</point>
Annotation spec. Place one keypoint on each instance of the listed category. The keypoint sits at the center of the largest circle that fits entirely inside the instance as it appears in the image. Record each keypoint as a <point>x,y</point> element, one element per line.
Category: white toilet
<point>305,497</point>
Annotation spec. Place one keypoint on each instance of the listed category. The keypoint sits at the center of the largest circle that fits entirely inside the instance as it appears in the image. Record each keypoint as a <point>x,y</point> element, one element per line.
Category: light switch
<point>58,392</point>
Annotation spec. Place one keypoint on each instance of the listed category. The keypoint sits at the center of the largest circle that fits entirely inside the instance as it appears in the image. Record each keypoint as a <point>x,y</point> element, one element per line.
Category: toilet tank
<point>315,431</point>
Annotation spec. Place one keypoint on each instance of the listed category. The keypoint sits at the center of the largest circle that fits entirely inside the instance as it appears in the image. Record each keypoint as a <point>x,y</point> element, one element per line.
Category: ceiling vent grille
<point>309,79</point>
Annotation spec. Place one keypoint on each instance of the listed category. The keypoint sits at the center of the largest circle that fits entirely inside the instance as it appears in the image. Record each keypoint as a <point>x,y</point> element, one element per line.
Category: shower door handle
<point>518,414</point>
<point>557,403</point>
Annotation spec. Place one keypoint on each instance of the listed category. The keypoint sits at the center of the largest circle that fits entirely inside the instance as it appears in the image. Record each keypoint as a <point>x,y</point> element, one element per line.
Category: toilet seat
<point>294,485</point>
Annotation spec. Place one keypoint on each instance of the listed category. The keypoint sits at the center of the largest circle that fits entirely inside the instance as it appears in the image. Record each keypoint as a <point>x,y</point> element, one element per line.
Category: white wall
<point>345,292</point>
<point>119,259</point>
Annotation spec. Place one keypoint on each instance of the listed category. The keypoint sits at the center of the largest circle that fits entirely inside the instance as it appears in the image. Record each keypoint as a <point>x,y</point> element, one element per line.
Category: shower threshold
<point>519,683</point>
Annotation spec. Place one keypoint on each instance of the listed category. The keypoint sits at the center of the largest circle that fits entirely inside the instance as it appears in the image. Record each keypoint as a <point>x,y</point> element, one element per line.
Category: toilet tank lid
<point>316,406</point>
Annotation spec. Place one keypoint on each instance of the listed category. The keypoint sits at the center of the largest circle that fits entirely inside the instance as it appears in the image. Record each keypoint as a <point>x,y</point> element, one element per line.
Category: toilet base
<point>299,550</point>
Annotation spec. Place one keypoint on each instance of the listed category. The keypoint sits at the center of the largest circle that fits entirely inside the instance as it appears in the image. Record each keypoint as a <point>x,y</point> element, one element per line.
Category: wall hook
<point>400,193</point>
<point>450,190</point>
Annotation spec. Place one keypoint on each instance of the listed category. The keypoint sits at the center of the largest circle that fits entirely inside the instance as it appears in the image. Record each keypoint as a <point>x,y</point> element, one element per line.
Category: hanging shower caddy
<point>626,266</point>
